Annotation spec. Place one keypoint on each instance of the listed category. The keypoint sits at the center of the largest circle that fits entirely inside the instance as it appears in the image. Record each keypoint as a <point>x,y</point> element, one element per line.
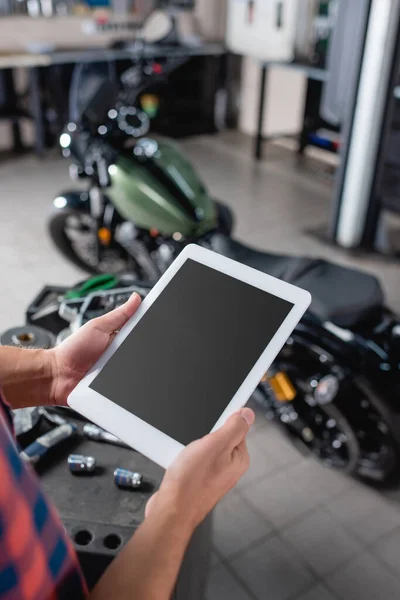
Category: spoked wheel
<point>379,455</point>
<point>330,438</point>
<point>351,433</point>
<point>323,430</point>
<point>74,233</point>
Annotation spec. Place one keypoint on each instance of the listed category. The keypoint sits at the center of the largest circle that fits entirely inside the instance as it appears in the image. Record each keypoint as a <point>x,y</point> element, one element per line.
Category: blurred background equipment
<point>316,21</point>
<point>262,29</point>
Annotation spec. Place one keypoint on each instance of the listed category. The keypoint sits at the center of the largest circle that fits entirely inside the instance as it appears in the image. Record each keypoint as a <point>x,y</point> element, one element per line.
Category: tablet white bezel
<point>145,438</point>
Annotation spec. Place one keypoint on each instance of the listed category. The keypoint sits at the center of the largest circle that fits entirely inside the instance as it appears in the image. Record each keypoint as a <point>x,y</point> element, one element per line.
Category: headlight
<point>396,331</point>
<point>60,202</point>
<point>65,140</point>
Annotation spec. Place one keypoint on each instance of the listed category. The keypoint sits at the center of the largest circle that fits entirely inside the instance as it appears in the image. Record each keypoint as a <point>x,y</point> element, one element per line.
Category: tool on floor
<point>94,284</point>
<point>128,479</point>
<point>28,336</point>
<point>93,432</point>
<point>52,417</point>
<point>101,302</point>
<point>43,445</point>
<point>78,463</point>
<point>69,308</point>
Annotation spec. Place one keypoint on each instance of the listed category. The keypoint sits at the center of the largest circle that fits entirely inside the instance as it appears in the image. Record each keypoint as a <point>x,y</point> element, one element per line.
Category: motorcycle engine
<point>165,255</point>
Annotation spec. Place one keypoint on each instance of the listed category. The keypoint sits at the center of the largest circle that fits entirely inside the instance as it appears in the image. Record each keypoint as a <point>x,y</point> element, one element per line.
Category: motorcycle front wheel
<point>74,234</point>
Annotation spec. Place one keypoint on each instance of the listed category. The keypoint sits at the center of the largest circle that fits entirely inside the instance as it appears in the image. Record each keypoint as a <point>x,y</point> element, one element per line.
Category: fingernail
<point>134,295</point>
<point>248,415</point>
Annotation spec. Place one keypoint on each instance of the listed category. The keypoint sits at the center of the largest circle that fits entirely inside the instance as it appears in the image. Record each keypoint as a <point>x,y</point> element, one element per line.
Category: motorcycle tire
<point>56,227</point>
<point>352,445</point>
<point>347,465</point>
<point>226,219</point>
<point>379,462</point>
<point>382,474</point>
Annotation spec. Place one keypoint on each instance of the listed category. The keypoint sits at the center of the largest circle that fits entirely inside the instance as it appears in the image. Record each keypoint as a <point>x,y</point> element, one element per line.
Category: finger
<point>116,319</point>
<point>236,428</point>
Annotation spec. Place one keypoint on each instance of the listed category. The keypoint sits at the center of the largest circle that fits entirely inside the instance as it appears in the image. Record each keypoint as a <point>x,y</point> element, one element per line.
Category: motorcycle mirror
<point>157,27</point>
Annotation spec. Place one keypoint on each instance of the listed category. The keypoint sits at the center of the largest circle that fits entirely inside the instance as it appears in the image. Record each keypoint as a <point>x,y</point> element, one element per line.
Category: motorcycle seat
<point>344,296</point>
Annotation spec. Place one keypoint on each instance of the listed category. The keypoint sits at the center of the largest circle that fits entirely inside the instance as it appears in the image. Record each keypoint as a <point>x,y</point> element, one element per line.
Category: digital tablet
<point>192,354</point>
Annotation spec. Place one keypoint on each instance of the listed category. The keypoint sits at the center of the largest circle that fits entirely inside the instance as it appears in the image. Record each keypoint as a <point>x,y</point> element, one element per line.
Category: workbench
<point>36,62</point>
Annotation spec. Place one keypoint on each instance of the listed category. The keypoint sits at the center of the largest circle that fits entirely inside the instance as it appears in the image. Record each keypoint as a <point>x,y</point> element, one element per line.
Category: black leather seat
<point>343,296</point>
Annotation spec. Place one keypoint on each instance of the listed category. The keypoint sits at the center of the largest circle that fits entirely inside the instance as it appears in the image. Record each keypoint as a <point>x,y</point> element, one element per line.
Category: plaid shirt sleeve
<point>37,560</point>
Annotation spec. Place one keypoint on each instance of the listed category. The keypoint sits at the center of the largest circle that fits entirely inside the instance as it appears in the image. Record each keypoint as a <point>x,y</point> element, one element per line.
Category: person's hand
<point>205,471</point>
<point>72,359</point>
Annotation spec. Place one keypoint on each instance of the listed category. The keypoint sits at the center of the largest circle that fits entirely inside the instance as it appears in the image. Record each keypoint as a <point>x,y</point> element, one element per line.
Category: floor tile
<point>279,499</point>
<point>317,592</point>
<point>318,482</point>
<point>321,541</point>
<point>222,585</point>
<point>272,570</point>
<point>281,451</point>
<point>262,464</point>
<point>364,578</point>
<point>365,512</point>
<point>236,526</point>
<point>388,548</point>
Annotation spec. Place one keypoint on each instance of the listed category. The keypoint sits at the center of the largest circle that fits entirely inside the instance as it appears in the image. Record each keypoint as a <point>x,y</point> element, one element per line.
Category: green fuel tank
<point>157,188</point>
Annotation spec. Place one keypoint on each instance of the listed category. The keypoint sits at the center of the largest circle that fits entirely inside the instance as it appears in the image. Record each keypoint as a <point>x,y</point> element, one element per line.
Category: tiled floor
<point>291,530</point>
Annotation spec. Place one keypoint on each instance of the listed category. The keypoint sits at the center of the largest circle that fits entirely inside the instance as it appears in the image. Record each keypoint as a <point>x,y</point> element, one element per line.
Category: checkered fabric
<point>37,560</point>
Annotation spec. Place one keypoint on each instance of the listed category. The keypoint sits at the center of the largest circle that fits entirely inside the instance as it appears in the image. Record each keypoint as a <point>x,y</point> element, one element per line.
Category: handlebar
<point>110,111</point>
<point>145,73</point>
<point>134,80</point>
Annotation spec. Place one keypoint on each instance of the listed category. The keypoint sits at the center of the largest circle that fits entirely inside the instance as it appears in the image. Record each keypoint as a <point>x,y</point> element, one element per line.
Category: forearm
<point>148,566</point>
<point>26,376</point>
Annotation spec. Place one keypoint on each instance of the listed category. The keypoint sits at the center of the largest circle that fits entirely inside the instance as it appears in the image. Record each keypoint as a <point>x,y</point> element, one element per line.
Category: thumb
<point>236,428</point>
<point>117,318</point>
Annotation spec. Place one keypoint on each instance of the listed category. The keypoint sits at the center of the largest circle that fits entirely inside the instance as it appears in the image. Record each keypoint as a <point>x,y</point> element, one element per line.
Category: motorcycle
<point>335,387</point>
